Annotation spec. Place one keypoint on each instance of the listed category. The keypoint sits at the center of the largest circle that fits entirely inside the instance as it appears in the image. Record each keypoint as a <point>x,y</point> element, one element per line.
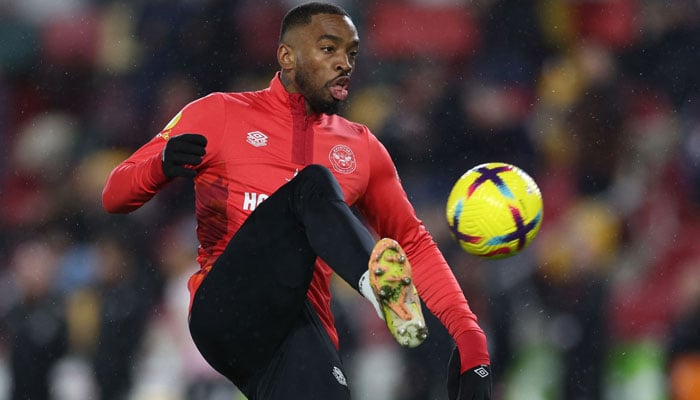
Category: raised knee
<point>318,173</point>
<point>320,177</point>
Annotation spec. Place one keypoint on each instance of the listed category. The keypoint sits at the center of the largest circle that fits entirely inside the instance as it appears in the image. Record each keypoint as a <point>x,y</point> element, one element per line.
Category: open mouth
<point>339,88</point>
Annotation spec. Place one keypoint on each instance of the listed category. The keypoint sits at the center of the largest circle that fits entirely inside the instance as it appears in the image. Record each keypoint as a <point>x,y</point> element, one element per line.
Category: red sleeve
<point>138,178</point>
<point>388,210</point>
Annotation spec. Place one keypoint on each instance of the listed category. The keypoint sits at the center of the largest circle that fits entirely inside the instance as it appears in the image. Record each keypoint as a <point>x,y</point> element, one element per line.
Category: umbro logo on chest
<point>256,139</point>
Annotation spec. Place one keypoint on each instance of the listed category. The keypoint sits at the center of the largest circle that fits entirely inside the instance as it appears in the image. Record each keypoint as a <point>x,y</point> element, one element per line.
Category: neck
<point>291,87</point>
<point>287,82</point>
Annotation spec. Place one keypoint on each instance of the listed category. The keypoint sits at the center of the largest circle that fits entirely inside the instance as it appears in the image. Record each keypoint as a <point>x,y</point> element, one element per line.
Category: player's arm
<point>135,180</point>
<point>389,212</point>
<point>174,152</point>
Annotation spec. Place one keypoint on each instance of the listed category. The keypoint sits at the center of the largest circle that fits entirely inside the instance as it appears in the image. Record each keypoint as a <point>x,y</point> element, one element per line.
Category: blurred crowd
<point>596,99</point>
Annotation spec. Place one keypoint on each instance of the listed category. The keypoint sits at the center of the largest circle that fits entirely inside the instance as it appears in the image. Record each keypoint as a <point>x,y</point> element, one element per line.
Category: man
<point>274,173</point>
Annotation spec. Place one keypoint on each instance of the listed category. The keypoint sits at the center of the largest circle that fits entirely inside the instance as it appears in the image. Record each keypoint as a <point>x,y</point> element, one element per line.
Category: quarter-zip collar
<point>302,124</point>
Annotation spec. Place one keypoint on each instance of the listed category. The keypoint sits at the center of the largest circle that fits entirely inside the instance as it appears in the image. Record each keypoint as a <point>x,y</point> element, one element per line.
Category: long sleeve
<point>136,180</point>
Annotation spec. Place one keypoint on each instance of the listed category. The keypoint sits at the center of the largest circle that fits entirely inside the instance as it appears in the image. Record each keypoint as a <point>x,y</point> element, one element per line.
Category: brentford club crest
<point>342,159</point>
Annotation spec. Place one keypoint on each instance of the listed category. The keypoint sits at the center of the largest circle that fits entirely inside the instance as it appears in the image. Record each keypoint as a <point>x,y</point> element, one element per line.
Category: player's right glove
<point>182,150</point>
<point>473,384</point>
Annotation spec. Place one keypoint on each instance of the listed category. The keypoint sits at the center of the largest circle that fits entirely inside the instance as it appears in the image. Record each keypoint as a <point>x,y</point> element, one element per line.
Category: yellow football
<point>494,210</point>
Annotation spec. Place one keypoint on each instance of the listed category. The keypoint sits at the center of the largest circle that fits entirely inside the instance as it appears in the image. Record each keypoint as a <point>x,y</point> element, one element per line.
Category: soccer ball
<point>494,210</point>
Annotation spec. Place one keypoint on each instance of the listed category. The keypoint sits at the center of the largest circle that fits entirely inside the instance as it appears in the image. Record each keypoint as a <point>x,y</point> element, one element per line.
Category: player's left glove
<point>180,151</point>
<point>473,384</point>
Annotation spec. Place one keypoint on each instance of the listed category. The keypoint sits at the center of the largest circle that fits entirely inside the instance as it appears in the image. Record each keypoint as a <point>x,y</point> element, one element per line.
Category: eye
<point>328,49</point>
<point>353,53</point>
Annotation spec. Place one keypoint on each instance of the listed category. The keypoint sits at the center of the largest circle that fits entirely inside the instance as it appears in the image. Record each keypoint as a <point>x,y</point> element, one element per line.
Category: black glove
<point>473,384</point>
<point>181,150</point>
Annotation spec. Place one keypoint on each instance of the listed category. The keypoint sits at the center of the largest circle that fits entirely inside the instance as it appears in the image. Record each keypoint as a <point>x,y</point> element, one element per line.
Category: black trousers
<point>250,318</point>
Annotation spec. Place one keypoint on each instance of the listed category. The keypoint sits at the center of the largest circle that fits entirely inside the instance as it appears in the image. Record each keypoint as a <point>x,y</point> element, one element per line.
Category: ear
<point>285,56</point>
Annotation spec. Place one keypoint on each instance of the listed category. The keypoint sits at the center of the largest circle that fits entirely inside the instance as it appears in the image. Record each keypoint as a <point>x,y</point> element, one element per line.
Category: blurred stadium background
<point>596,99</point>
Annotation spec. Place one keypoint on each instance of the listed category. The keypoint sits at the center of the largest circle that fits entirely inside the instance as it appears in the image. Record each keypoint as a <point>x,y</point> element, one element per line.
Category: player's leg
<point>255,291</point>
<point>341,240</point>
<point>306,366</point>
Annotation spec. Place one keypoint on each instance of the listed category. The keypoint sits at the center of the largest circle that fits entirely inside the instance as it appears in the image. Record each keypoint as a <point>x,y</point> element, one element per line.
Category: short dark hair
<point>301,15</point>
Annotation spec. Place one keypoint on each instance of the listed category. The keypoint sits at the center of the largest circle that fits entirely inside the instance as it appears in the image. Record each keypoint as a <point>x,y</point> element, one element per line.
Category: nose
<point>344,63</point>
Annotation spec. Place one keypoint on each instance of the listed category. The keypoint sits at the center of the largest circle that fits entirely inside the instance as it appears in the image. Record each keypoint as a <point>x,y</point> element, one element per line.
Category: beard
<point>316,96</point>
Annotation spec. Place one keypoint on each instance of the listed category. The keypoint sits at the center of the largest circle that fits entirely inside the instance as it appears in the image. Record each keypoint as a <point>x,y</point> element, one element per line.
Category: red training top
<point>259,140</point>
